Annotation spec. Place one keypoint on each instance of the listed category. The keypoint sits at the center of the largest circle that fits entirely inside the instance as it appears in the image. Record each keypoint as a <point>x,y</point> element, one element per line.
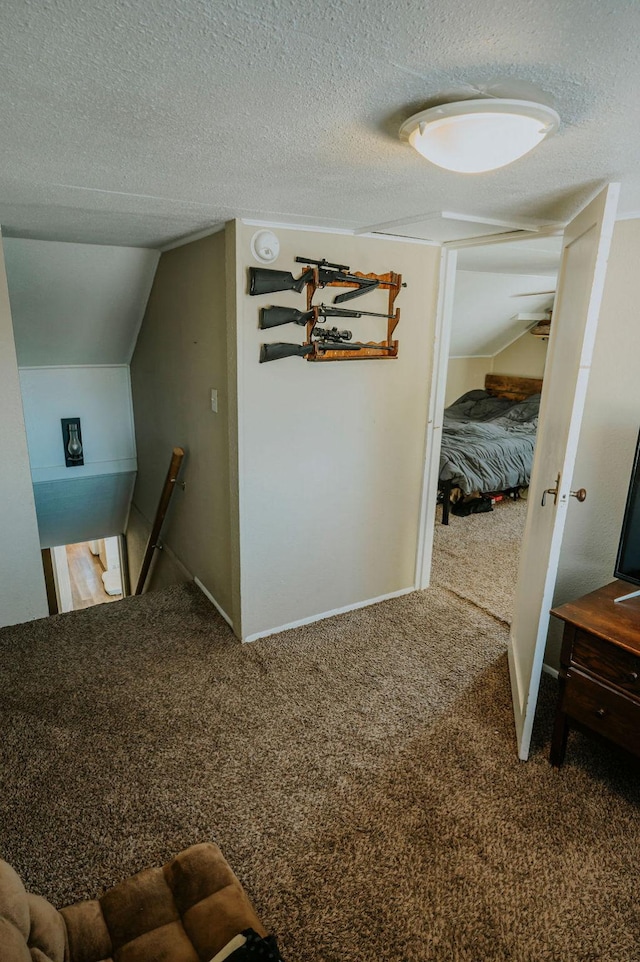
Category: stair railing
<point>163,506</point>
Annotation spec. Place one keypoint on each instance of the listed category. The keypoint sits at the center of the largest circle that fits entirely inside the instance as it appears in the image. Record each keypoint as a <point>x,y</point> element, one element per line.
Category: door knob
<point>579,495</point>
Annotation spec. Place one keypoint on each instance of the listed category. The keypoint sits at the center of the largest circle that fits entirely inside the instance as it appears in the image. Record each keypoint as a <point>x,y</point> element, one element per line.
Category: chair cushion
<point>47,933</point>
<point>87,933</point>
<point>185,911</point>
<point>30,928</point>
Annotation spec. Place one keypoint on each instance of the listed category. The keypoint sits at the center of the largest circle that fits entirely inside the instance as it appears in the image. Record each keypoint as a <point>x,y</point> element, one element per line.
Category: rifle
<point>267,281</point>
<point>273,352</point>
<point>276,316</point>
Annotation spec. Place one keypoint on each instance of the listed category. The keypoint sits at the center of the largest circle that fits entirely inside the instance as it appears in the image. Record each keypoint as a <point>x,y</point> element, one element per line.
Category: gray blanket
<point>488,455</point>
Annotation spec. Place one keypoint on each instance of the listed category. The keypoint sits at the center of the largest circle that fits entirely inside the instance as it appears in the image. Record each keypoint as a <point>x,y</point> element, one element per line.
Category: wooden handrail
<point>163,507</point>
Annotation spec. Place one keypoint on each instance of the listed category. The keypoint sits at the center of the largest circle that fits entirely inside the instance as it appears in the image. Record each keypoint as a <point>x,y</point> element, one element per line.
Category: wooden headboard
<point>512,387</point>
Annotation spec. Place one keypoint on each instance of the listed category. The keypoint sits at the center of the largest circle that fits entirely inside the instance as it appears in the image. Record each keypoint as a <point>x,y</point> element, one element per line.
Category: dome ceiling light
<point>474,136</point>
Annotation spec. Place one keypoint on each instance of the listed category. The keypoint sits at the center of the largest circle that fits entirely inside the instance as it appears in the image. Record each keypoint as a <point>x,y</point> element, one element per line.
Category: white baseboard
<point>213,601</point>
<point>550,671</point>
<point>327,614</point>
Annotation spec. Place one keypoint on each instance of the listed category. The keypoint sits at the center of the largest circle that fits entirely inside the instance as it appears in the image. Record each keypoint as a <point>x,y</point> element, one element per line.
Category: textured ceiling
<point>135,123</point>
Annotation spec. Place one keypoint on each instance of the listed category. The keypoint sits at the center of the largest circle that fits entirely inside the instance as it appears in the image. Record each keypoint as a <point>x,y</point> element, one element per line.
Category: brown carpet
<point>477,557</point>
<point>360,775</point>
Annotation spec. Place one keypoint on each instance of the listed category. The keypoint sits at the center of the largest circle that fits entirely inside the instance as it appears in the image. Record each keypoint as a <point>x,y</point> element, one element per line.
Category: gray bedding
<point>488,442</point>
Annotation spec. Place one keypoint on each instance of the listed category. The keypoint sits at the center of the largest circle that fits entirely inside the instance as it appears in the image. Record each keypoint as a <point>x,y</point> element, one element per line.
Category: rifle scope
<point>322,263</point>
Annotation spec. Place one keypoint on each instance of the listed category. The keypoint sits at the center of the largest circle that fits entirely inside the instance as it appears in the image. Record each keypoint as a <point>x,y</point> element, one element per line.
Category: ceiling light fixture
<point>473,136</point>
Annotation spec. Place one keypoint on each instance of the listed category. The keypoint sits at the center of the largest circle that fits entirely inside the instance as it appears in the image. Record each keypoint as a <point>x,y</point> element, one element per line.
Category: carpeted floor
<point>360,774</point>
<point>477,557</point>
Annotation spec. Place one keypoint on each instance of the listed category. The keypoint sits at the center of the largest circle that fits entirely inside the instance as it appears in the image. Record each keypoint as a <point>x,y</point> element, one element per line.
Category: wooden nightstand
<point>600,669</point>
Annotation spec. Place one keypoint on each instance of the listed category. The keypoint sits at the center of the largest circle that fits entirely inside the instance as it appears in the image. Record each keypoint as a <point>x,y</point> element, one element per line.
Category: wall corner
<point>233,282</point>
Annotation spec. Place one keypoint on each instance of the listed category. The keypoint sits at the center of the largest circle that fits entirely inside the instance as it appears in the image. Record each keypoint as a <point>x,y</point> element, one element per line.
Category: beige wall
<point>234,275</point>
<point>525,357</point>
<point>465,374</point>
<point>165,567</point>
<point>331,455</point>
<point>180,356</point>
<point>608,435</point>
<point>22,588</point>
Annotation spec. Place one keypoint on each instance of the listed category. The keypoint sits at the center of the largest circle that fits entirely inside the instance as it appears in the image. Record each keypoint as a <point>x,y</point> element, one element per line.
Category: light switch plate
<point>214,400</point>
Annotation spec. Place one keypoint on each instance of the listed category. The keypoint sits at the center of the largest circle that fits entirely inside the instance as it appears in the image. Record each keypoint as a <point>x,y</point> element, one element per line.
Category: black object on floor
<point>473,506</point>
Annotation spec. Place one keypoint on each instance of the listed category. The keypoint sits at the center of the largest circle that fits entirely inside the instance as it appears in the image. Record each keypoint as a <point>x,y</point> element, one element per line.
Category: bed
<point>488,438</point>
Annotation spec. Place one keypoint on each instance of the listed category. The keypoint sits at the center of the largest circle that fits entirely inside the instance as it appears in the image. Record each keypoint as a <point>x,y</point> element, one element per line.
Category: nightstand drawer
<point>607,712</point>
<point>607,661</point>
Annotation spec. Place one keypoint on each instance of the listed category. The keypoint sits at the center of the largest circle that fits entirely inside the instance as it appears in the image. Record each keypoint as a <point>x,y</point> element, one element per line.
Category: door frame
<point>439,367</point>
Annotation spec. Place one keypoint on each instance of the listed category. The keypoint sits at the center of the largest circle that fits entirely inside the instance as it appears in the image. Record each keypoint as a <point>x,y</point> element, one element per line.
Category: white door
<point>573,328</point>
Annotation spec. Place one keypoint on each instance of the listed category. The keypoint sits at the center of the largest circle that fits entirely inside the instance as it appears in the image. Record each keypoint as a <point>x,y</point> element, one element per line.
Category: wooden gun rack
<point>380,349</point>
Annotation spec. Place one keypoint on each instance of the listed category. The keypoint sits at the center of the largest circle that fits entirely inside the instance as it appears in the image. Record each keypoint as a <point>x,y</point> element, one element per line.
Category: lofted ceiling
<point>534,256</point>
<point>137,123</point>
<point>498,287</point>
<point>77,304</point>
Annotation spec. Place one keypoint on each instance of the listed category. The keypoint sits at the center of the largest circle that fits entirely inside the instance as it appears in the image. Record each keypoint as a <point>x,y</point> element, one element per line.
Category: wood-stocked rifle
<point>330,340</point>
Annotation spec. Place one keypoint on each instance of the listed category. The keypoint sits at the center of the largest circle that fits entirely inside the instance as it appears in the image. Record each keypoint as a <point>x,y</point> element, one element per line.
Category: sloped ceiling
<point>535,256</point>
<point>489,287</point>
<point>76,303</point>
<point>137,123</point>
<point>485,312</point>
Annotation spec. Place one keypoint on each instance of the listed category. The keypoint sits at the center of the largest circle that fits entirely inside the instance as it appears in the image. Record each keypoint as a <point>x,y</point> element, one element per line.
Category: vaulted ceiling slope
<point>136,123</point>
<point>76,303</point>
<point>498,289</point>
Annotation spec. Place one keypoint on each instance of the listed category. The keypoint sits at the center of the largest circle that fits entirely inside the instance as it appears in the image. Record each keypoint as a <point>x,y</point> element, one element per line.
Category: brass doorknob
<point>579,495</point>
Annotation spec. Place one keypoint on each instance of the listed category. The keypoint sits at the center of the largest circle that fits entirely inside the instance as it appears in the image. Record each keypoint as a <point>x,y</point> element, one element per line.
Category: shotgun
<point>276,316</point>
<point>263,280</point>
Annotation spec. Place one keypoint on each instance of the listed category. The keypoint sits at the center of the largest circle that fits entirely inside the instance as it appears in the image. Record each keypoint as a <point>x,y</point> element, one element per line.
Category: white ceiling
<point>136,123</point>
<point>489,309</point>
<point>536,256</point>
<point>76,303</point>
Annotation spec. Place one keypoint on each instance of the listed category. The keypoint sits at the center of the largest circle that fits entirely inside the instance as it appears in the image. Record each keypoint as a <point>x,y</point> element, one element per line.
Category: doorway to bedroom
<point>502,308</point>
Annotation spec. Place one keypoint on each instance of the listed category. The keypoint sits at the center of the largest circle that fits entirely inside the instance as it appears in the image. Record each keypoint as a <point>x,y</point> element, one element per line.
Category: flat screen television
<point>628,560</point>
